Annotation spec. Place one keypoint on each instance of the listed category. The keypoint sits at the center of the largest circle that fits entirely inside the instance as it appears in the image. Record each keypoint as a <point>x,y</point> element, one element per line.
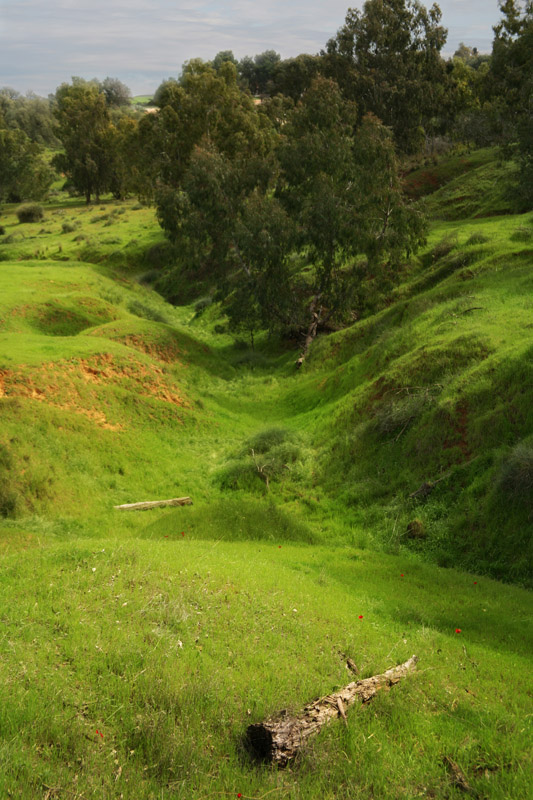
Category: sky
<point>43,43</point>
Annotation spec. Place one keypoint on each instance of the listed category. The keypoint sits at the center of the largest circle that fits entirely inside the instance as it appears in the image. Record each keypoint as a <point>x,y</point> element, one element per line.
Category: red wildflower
<point>279,547</point>
<point>458,630</point>
<point>183,533</point>
<point>360,616</point>
<point>475,583</point>
<point>100,734</point>
<point>401,576</point>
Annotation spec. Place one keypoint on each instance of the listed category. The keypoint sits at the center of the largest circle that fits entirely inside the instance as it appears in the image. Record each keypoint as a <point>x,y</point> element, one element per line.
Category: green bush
<point>30,212</point>
<point>444,247</point>
<point>476,238</point>
<point>515,480</point>
<point>144,311</point>
<point>8,498</point>
<point>2,230</point>
<point>68,227</point>
<point>202,303</point>
<point>521,234</point>
<point>396,414</point>
<point>162,254</point>
<point>268,456</point>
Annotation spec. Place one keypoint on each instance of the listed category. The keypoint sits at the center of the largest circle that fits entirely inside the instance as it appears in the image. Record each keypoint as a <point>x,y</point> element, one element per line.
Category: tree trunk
<point>316,318</point>
<point>280,738</point>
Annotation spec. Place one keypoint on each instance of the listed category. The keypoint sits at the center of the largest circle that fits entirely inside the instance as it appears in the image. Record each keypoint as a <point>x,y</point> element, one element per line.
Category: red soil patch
<point>76,385</point>
<point>167,352</point>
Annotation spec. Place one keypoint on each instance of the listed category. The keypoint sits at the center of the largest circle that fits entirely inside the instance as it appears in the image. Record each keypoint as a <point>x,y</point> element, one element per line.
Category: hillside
<point>136,648</point>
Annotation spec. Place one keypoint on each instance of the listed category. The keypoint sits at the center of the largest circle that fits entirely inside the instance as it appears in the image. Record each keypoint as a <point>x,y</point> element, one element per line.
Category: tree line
<point>290,205</point>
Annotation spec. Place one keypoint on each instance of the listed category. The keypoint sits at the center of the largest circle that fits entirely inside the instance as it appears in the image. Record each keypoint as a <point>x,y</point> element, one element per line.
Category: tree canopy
<point>386,57</point>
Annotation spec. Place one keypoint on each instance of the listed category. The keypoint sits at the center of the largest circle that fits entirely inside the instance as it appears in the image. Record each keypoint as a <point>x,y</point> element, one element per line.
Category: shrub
<point>477,238</point>
<point>397,414</point>
<point>30,212</point>
<point>416,529</point>
<point>268,456</point>
<point>2,230</point>
<point>444,247</point>
<point>202,304</point>
<point>516,475</point>
<point>522,234</point>
<point>144,311</point>
<point>8,498</point>
<point>162,254</point>
<point>265,440</point>
<point>68,227</point>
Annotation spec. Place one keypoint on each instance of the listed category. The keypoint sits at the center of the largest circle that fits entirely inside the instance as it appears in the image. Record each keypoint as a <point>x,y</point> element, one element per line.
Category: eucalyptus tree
<point>340,184</point>
<point>511,81</point>
<point>386,57</point>
<point>210,149</point>
<point>85,130</point>
<point>25,172</point>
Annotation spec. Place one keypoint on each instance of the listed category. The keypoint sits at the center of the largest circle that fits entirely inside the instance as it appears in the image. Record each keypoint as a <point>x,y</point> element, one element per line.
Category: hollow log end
<point>258,740</point>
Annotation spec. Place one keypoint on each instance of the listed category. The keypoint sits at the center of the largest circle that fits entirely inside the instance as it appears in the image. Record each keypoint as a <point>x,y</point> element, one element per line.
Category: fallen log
<point>175,501</point>
<point>280,738</point>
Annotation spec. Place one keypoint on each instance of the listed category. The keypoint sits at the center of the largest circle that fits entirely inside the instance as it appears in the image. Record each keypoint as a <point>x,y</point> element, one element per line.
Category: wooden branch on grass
<point>175,501</point>
<point>427,487</point>
<point>280,738</point>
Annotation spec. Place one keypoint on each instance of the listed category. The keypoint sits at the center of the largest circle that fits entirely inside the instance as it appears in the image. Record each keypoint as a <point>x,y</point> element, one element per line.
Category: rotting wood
<point>175,501</point>
<point>280,738</point>
<point>427,487</point>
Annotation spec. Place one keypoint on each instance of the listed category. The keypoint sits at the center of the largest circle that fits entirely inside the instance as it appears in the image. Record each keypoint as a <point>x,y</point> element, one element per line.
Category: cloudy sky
<point>45,42</point>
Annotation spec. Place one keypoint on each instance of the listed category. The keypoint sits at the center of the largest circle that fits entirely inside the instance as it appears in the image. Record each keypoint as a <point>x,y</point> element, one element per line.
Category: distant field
<point>142,99</point>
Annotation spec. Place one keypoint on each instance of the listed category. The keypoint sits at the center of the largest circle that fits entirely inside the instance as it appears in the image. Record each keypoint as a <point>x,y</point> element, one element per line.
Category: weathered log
<point>175,501</point>
<point>280,738</point>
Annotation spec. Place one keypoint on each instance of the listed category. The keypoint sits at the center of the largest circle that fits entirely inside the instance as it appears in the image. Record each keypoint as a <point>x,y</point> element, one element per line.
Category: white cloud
<point>44,42</point>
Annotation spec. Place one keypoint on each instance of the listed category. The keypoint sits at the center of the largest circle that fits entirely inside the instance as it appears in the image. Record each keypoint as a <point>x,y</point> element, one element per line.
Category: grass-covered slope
<point>136,648</point>
<point>438,388</point>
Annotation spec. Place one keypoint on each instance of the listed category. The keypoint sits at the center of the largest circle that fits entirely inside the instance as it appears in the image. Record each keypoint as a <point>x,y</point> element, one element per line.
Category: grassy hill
<point>136,648</point>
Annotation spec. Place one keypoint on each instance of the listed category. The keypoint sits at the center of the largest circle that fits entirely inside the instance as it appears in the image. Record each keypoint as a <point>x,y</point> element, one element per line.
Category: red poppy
<point>458,630</point>
<point>401,576</point>
<point>239,795</point>
<point>183,533</point>
<point>360,616</point>
<point>100,734</point>
<point>279,547</point>
<point>475,583</point>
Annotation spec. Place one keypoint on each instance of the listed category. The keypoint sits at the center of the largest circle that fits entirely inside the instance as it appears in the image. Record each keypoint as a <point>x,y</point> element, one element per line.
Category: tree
<point>86,133</point>
<point>26,175</point>
<point>29,113</point>
<point>387,59</point>
<point>207,150</point>
<point>511,80</point>
<point>222,57</point>
<point>116,93</point>
<point>257,73</point>
<point>343,190</point>
<point>293,76</point>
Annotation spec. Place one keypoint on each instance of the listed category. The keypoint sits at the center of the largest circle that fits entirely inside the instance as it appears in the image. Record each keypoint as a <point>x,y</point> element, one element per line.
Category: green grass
<point>170,631</point>
<point>170,648</point>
